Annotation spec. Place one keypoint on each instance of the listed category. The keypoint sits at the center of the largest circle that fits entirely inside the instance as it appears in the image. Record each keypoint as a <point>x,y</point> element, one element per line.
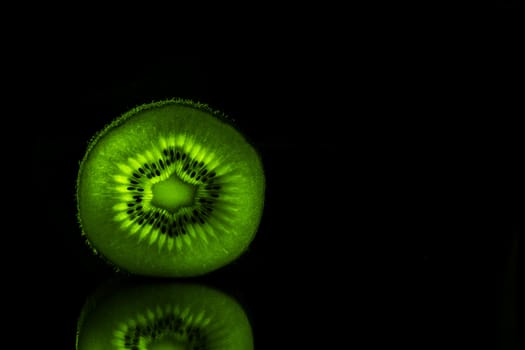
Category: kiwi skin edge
<point>124,252</point>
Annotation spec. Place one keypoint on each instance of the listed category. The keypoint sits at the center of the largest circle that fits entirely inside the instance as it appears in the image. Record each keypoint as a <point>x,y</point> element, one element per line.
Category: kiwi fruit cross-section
<point>170,189</point>
<point>162,316</point>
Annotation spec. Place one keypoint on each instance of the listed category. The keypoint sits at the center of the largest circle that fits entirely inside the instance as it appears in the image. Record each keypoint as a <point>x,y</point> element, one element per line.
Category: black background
<point>393,191</point>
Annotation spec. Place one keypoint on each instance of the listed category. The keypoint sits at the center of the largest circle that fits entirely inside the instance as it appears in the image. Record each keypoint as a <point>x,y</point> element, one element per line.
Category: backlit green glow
<point>170,189</point>
<point>167,344</point>
<point>126,315</point>
<point>172,193</point>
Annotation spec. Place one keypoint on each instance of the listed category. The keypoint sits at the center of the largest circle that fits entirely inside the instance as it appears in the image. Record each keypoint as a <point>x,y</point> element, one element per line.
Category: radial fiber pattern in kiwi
<point>214,191</point>
<point>196,330</point>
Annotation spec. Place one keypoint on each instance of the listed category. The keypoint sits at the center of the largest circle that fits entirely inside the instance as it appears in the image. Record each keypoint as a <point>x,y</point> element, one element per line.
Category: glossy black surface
<point>393,201</point>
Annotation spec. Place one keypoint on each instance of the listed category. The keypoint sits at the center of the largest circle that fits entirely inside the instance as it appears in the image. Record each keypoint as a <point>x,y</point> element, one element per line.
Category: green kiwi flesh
<point>170,189</point>
<point>162,316</point>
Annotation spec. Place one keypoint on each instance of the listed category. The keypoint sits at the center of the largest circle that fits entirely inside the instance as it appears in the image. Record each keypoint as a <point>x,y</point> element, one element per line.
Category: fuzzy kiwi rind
<point>228,197</point>
<point>127,315</point>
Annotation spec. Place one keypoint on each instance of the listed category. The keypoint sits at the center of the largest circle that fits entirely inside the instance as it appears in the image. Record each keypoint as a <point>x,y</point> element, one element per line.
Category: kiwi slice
<point>170,189</point>
<point>165,315</point>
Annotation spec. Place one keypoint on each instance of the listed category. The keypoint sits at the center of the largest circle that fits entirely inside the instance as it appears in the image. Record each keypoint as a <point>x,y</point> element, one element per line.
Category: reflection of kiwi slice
<point>162,316</point>
<point>170,189</point>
